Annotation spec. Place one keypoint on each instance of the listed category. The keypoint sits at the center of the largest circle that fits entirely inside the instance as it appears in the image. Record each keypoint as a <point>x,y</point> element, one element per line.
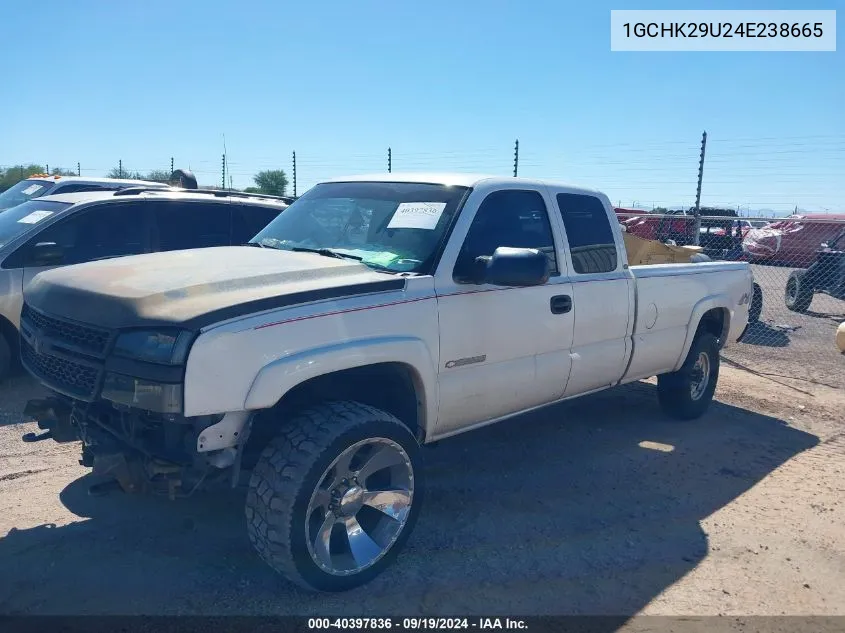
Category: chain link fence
<point>798,264</point>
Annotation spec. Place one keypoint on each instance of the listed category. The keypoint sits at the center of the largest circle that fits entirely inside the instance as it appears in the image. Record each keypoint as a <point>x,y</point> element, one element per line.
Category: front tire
<point>334,497</point>
<point>798,295</point>
<point>687,393</point>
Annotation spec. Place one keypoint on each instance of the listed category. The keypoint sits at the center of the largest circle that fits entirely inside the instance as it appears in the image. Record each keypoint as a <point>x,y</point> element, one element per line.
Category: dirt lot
<point>597,506</point>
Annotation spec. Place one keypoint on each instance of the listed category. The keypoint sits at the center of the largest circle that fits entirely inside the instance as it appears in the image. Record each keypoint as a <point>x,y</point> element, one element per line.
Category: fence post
<point>389,160</point>
<point>515,157</point>
<point>78,169</point>
<point>223,179</point>
<point>171,164</point>
<point>294,174</point>
<point>697,233</point>
<point>120,168</point>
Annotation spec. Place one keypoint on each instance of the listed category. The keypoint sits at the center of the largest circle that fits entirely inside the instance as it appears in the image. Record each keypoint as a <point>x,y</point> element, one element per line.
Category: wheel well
<point>391,387</point>
<point>715,322</point>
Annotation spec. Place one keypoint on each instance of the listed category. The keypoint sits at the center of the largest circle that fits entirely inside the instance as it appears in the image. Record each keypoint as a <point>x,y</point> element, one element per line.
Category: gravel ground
<point>791,344</point>
<point>599,506</point>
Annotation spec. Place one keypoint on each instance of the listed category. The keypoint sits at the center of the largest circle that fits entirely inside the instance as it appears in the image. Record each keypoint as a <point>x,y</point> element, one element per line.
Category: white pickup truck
<point>375,315</point>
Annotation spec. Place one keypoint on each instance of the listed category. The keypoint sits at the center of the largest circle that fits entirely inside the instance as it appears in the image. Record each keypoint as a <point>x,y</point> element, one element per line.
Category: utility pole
<point>294,174</point>
<point>171,165</point>
<point>697,233</point>
<point>120,168</point>
<point>515,158</point>
<point>389,160</point>
<point>78,169</point>
<point>48,168</point>
<point>224,171</point>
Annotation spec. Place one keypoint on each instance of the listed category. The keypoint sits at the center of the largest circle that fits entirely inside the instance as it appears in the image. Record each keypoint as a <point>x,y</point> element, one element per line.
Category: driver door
<point>502,350</point>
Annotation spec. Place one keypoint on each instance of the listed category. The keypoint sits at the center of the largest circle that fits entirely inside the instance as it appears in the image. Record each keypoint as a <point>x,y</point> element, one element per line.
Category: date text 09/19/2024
<point>430,624</point>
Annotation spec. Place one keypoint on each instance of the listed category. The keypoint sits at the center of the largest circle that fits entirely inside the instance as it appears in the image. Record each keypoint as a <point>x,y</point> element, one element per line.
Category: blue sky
<point>446,85</point>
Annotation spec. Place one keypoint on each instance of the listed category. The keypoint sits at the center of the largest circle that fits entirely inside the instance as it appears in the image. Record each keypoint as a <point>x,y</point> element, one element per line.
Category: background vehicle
<point>659,228</point>
<point>826,275</point>
<point>792,241</point>
<point>382,313</point>
<point>43,184</point>
<point>73,228</point>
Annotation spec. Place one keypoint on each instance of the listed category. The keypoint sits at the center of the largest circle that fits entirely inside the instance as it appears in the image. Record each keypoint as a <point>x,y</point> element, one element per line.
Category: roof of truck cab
<point>459,180</point>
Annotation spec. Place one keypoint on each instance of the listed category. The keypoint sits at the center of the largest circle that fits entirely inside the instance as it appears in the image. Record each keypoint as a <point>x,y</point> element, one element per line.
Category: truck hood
<point>195,288</point>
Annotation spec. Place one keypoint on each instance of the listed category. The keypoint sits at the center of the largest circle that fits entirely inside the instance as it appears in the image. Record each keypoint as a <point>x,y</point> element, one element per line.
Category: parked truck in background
<point>376,315</point>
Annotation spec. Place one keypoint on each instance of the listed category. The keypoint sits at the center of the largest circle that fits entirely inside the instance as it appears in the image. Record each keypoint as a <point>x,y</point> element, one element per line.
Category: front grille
<point>65,375</point>
<point>66,356</point>
<point>76,336</point>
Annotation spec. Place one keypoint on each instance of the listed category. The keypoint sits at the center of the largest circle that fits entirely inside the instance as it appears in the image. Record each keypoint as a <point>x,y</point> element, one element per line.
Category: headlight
<point>167,347</point>
<point>143,394</point>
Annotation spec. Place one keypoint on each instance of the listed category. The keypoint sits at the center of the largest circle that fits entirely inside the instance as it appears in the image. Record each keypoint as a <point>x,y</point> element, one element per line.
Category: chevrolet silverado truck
<point>376,315</point>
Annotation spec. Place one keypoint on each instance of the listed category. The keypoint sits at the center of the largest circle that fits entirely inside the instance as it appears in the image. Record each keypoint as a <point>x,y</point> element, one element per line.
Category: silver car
<point>67,229</point>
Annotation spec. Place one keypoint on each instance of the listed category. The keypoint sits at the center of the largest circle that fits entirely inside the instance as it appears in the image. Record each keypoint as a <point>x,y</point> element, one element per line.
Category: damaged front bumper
<point>143,451</point>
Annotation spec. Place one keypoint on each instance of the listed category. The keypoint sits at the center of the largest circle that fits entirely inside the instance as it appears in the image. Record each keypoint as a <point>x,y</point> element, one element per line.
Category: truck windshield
<point>392,226</point>
<point>23,191</point>
<point>23,218</point>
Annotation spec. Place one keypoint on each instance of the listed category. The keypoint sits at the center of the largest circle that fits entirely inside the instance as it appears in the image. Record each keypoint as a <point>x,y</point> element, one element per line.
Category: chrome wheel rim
<point>700,376</point>
<point>791,290</point>
<point>359,507</point>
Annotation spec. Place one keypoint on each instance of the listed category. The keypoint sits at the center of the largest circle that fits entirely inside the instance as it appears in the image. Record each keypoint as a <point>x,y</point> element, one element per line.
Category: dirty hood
<point>199,287</point>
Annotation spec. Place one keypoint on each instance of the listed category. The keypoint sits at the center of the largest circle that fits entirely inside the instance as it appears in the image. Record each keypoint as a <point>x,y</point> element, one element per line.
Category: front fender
<point>711,302</point>
<point>275,379</point>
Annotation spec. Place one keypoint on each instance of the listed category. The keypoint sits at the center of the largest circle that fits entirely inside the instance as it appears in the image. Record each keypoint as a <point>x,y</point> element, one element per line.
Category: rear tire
<point>687,393</point>
<point>334,497</point>
<point>5,358</point>
<point>798,296</point>
<point>756,307</point>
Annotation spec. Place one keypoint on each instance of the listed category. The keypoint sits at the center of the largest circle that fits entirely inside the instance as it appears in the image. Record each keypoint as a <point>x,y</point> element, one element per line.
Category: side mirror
<point>47,254</point>
<point>513,267</point>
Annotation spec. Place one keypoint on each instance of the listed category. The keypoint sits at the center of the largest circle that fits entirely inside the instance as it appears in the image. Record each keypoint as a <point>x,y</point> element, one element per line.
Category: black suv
<point>826,274</point>
<point>66,229</point>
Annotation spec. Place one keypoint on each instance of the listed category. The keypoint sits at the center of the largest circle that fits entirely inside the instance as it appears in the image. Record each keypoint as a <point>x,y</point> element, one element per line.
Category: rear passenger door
<point>182,225</point>
<point>603,293</point>
<point>248,220</point>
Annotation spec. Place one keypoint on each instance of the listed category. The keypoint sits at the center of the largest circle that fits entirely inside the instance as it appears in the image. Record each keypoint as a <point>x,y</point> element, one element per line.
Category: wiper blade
<point>326,252</point>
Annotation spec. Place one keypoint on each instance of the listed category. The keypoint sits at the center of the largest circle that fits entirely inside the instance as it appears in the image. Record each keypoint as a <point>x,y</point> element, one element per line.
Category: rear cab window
<point>592,245</point>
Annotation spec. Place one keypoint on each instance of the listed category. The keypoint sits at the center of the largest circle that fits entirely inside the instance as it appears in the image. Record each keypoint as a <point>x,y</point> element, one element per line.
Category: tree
<point>273,182</point>
<point>116,172</point>
<point>16,173</point>
<point>158,175</point>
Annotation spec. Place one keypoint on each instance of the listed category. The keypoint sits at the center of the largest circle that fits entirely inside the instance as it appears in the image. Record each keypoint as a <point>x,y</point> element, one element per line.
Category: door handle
<point>560,304</point>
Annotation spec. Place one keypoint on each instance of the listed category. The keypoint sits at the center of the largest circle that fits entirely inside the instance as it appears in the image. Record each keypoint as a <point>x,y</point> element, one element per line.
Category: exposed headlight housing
<point>165,346</point>
<point>143,394</point>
